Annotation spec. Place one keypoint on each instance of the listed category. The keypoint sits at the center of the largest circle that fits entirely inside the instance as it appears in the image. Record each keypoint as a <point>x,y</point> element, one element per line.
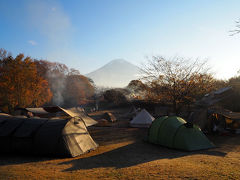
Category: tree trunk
<point>175,107</point>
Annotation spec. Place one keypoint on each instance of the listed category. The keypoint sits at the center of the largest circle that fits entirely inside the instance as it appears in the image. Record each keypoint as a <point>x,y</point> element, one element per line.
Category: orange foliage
<point>78,90</point>
<point>20,83</point>
<point>69,88</point>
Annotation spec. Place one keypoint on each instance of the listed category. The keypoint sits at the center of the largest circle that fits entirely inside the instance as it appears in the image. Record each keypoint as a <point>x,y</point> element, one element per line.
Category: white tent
<point>143,119</point>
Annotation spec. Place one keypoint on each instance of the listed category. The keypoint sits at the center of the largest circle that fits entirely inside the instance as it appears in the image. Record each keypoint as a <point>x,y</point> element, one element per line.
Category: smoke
<point>57,83</point>
<point>50,20</point>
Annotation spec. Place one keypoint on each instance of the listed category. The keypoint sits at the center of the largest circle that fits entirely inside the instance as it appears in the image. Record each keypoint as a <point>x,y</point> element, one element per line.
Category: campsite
<point>124,154</point>
<point>119,89</point>
<point>117,134</point>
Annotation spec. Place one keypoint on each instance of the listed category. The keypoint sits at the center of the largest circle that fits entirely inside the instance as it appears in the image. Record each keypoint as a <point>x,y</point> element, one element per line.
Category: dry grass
<point>123,155</point>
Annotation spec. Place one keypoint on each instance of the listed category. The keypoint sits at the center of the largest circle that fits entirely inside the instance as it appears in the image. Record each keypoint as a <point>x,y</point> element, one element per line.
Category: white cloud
<point>32,42</point>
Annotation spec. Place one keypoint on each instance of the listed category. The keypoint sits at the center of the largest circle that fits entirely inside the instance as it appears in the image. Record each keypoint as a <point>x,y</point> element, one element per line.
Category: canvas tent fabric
<point>4,115</point>
<point>200,118</point>
<point>59,137</point>
<point>174,132</point>
<point>142,119</point>
<point>109,117</point>
<point>79,112</point>
<point>59,112</point>
<point>223,119</point>
<point>227,113</point>
<point>214,97</point>
<point>132,112</point>
<point>216,119</point>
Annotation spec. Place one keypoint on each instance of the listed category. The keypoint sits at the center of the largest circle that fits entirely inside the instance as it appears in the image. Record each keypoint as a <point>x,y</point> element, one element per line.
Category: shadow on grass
<point>227,143</point>
<point>133,154</point>
<point>12,159</point>
<point>129,155</point>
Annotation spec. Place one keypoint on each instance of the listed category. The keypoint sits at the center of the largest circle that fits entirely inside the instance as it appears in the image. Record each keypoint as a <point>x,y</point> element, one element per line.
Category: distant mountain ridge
<point>116,73</point>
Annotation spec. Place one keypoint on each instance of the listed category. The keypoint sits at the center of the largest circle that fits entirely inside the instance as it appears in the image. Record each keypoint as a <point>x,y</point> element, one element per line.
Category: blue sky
<point>86,34</point>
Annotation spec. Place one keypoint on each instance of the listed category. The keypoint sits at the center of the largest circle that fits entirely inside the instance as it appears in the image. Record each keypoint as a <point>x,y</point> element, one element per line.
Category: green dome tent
<point>175,132</point>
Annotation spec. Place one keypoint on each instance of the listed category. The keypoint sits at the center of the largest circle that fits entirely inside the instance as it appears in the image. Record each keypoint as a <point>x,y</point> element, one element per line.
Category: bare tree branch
<point>177,79</point>
<point>237,28</point>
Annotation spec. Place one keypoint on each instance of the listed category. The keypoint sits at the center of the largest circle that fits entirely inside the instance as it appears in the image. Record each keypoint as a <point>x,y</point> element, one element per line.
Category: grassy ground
<point>123,155</point>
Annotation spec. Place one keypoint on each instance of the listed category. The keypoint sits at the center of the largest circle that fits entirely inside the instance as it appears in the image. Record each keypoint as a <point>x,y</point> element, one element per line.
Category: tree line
<point>177,81</point>
<point>180,82</point>
<point>27,82</point>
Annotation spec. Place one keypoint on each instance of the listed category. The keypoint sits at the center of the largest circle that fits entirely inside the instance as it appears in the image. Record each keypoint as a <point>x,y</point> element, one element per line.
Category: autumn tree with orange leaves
<point>78,90</point>
<point>68,86</point>
<point>55,73</point>
<point>20,83</point>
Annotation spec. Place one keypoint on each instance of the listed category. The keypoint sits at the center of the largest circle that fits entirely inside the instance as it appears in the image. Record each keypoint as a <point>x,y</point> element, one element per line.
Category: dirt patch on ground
<point>123,154</point>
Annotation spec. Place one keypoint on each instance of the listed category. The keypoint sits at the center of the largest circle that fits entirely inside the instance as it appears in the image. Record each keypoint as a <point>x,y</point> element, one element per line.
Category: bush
<point>114,96</point>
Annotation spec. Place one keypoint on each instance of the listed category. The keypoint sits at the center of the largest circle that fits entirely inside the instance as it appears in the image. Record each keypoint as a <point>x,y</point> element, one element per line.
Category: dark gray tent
<point>60,137</point>
<point>200,116</point>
